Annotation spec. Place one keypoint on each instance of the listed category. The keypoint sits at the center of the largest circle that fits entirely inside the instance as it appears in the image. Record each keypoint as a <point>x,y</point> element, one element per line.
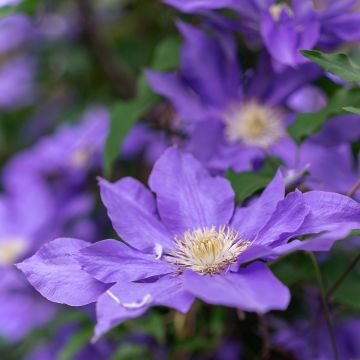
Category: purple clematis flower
<point>233,119</point>
<point>286,28</point>
<point>21,228</point>
<point>309,342</point>
<point>328,156</point>
<point>189,242</point>
<point>17,83</point>
<point>14,30</point>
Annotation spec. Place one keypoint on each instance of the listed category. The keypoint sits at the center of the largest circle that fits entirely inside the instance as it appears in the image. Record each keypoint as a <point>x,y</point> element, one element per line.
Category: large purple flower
<point>232,118</point>
<point>286,28</point>
<point>189,241</point>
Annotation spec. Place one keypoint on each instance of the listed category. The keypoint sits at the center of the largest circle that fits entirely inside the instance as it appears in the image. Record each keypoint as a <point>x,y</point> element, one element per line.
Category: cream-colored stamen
<point>207,251</point>
<point>254,124</point>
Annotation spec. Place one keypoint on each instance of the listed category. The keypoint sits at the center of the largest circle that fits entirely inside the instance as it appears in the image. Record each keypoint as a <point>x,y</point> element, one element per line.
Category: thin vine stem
<point>342,277</point>
<point>324,305</point>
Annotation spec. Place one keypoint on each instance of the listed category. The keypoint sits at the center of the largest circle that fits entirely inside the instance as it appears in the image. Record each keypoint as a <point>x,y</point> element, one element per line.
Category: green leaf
<point>312,122</point>
<point>76,342</point>
<point>125,113</point>
<point>167,54</point>
<point>123,116</point>
<point>352,109</point>
<point>348,292</point>
<point>246,184</point>
<point>338,64</point>
<point>130,352</point>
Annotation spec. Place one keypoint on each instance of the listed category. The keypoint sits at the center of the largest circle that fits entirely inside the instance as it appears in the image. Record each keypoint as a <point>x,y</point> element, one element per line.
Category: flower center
<point>254,124</point>
<point>207,250</point>
<point>80,157</point>
<point>11,249</point>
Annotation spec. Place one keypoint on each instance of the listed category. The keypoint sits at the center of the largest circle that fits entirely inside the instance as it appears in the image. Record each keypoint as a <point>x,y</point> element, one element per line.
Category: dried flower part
<point>207,250</point>
<point>254,124</point>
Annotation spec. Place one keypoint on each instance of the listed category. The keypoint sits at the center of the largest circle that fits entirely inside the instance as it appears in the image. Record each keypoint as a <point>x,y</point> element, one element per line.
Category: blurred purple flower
<point>17,84</point>
<point>286,28</point>
<point>312,342</point>
<point>189,245</point>
<point>233,118</point>
<point>15,29</point>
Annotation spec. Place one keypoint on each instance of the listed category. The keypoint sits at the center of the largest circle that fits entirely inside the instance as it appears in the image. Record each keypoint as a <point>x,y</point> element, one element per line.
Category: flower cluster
<point>234,164</point>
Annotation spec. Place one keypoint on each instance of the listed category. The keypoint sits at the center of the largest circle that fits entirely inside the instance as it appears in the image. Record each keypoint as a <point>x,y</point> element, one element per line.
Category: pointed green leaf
<point>338,64</point>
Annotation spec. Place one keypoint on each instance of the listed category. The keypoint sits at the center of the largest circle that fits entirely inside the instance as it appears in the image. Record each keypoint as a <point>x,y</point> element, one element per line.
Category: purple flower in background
<point>53,348</point>
<point>309,342</point>
<point>233,119</point>
<point>22,231</point>
<point>190,245</point>
<point>286,28</point>
<point>14,30</point>
<point>17,87</point>
<point>328,156</point>
<point>69,154</point>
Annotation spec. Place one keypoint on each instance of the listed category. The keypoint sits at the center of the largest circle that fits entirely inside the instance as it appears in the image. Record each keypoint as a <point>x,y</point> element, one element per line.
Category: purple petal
<point>329,211</point>
<point>193,6</point>
<point>253,288</point>
<point>187,196</point>
<point>249,221</point>
<point>132,210</point>
<point>322,242</point>
<point>55,273</point>
<point>111,261</point>
<point>129,300</point>
<point>179,93</point>
<point>289,215</point>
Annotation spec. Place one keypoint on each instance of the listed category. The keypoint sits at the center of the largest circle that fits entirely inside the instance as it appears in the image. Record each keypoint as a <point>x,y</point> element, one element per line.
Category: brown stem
<point>108,62</point>
<point>265,336</point>
<point>353,191</point>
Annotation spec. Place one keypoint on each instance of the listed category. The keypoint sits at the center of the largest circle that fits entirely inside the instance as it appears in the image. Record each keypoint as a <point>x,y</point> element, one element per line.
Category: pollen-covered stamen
<point>207,250</point>
<point>254,124</point>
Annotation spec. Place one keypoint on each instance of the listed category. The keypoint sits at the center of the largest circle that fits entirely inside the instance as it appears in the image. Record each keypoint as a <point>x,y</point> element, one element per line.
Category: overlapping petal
<point>253,288</point>
<point>54,272</point>
<point>187,196</point>
<point>132,210</point>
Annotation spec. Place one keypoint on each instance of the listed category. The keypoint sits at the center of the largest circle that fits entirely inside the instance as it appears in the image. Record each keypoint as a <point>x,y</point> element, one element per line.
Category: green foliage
<point>124,114</point>
<point>338,64</point>
<point>312,122</point>
<point>75,343</point>
<point>131,351</point>
<point>247,183</point>
<point>348,293</point>
<point>352,109</point>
